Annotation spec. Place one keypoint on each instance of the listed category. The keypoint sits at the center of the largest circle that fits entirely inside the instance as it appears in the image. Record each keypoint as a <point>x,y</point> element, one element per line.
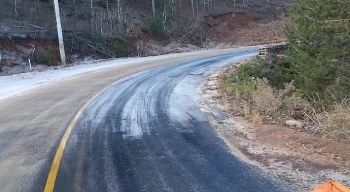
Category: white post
<point>30,65</point>
<point>59,32</point>
<point>137,48</point>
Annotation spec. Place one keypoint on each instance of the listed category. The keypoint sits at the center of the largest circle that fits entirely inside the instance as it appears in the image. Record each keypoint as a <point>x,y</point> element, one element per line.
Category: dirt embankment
<point>21,42</point>
<point>302,159</point>
<point>99,33</point>
<point>245,29</point>
<point>218,28</point>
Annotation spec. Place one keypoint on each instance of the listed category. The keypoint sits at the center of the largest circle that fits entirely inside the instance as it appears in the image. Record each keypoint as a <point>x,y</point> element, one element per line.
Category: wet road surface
<point>146,133</point>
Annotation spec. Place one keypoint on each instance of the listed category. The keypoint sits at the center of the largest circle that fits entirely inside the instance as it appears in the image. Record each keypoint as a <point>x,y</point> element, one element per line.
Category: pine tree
<point>319,39</point>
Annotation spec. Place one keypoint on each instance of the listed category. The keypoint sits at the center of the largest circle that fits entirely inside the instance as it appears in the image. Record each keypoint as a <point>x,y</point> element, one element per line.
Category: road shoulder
<point>298,158</point>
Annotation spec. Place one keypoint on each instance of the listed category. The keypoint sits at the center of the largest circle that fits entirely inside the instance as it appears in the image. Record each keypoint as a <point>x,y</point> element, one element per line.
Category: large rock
<point>295,123</point>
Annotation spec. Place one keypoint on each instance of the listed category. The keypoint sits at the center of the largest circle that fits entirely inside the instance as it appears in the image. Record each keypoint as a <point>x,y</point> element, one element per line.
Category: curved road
<point>143,133</point>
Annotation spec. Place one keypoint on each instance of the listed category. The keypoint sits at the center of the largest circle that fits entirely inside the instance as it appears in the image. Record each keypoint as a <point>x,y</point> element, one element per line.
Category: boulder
<point>295,123</point>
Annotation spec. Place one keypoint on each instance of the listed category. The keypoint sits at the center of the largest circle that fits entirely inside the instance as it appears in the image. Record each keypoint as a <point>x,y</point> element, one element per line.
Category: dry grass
<point>260,103</point>
<point>336,123</point>
<point>246,109</point>
<point>266,100</point>
<point>256,118</point>
<point>257,100</point>
<point>271,142</point>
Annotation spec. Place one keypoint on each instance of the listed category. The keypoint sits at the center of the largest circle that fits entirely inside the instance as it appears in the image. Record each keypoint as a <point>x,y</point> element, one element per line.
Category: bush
<point>276,71</point>
<point>158,26</point>
<point>299,94</point>
<point>120,49</point>
<point>245,78</point>
<point>45,56</point>
<point>260,97</point>
<point>255,69</point>
<point>241,88</point>
<point>99,41</point>
<point>284,73</point>
<point>266,99</point>
<point>336,123</point>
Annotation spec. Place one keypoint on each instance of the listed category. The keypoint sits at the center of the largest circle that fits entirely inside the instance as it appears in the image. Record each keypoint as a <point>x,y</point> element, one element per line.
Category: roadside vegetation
<point>45,56</point>
<point>101,29</point>
<point>305,84</point>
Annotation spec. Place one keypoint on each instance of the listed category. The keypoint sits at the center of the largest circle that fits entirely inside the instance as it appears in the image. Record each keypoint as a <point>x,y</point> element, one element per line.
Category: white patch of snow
<point>187,92</point>
<point>19,83</point>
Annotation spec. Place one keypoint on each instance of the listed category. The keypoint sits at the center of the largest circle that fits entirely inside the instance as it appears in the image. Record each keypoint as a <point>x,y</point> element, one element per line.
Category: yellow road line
<point>50,183</point>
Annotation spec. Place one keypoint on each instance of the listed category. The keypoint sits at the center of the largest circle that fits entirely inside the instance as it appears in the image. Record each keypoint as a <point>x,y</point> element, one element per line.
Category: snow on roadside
<point>19,83</point>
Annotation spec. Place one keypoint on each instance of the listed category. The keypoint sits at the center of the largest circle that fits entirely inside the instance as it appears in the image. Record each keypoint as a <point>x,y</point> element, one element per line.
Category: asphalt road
<point>144,133</point>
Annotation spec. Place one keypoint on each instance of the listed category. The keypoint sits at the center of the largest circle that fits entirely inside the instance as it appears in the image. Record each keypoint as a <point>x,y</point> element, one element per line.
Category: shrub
<point>258,96</point>
<point>241,88</point>
<point>120,49</point>
<point>276,71</point>
<point>45,56</point>
<point>98,41</point>
<point>158,26</point>
<point>336,123</point>
<point>299,93</point>
<point>284,73</point>
<point>255,69</point>
<point>268,100</point>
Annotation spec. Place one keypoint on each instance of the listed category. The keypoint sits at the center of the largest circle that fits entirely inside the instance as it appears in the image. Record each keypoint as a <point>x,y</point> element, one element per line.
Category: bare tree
<point>119,15</point>
<point>75,7</point>
<point>16,8</point>
<point>154,8</point>
<point>172,6</point>
<point>192,4</point>
<point>119,10</point>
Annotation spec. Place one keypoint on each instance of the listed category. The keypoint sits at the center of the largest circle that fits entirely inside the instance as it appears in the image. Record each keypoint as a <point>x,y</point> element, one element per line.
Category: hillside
<point>116,28</point>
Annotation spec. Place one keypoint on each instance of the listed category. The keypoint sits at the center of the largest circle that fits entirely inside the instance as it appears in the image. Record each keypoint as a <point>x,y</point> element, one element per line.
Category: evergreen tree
<point>319,38</point>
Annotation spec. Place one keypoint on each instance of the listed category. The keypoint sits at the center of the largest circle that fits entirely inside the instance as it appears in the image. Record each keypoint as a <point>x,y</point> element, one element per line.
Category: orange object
<point>331,186</point>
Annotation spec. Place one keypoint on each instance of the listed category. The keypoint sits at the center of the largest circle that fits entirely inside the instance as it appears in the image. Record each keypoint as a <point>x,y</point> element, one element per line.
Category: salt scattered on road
<point>15,84</point>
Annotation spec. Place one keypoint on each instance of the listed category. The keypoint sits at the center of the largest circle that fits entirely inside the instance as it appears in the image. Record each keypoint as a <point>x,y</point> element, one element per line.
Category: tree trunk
<point>154,8</point>
<point>16,9</point>
<point>119,16</point>
<point>164,17</point>
<point>192,3</point>
<point>75,7</point>
<point>119,10</point>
